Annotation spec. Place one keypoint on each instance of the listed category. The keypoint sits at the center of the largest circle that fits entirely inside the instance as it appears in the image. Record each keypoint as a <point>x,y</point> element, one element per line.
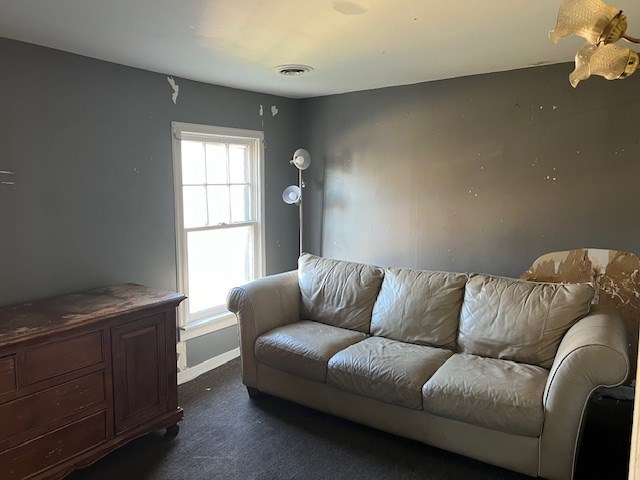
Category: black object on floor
<point>226,435</point>
<point>605,449</point>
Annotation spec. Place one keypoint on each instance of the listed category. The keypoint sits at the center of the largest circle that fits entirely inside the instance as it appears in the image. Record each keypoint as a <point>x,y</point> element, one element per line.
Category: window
<point>219,221</point>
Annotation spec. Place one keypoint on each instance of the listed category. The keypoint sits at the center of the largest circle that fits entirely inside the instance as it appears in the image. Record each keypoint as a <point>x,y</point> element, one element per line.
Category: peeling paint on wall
<point>615,274</point>
<point>176,89</point>
<point>261,112</point>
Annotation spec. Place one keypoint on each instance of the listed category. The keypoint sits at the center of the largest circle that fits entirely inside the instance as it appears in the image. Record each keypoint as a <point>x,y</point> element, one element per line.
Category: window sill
<point>207,325</point>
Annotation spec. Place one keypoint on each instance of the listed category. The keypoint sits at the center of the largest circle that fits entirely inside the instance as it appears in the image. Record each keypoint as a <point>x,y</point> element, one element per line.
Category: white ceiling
<point>352,45</point>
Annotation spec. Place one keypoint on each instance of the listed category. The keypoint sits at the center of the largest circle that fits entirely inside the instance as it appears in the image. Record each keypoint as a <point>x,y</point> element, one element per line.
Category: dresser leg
<point>173,430</point>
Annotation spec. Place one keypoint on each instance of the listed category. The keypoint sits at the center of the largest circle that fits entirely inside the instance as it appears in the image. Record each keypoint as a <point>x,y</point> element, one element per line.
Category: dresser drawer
<point>53,448</point>
<point>8,379</point>
<point>45,407</point>
<point>46,361</point>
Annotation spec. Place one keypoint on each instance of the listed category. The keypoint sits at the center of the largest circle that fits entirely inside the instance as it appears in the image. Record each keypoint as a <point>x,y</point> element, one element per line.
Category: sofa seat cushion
<point>304,348</point>
<point>338,293</point>
<point>387,370</point>
<point>518,320</point>
<point>497,394</point>
<point>419,306</point>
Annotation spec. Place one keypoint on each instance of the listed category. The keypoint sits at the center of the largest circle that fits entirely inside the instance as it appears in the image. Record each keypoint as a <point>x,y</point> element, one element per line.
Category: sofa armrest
<point>260,306</point>
<point>592,354</point>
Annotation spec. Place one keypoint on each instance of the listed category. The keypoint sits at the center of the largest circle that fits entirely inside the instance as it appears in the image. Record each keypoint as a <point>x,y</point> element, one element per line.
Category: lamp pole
<point>293,195</point>
<point>300,185</point>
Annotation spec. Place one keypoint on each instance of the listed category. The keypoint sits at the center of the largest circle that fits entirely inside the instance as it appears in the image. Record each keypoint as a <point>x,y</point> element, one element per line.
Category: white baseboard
<point>193,372</point>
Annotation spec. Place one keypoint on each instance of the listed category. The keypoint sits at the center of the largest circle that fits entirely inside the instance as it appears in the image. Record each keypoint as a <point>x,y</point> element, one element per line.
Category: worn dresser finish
<point>82,374</point>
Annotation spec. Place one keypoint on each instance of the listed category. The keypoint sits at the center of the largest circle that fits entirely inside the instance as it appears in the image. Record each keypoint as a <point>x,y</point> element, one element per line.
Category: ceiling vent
<point>293,70</point>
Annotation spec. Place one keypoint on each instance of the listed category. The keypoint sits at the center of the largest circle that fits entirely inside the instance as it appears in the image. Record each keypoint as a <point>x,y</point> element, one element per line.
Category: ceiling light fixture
<point>293,69</point>
<point>601,25</point>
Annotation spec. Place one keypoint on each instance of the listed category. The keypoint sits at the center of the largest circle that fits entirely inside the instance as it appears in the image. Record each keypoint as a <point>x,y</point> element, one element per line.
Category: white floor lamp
<point>292,195</point>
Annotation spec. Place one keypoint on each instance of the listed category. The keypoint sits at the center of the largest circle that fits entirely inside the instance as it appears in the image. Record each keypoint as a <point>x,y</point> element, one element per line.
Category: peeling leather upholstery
<point>419,306</point>
<point>387,370</point>
<point>304,348</point>
<point>519,320</point>
<point>338,293</point>
<point>497,394</point>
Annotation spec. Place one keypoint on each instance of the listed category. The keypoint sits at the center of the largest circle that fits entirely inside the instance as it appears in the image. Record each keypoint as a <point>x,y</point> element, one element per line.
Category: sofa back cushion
<point>419,306</point>
<point>519,320</point>
<point>338,293</point>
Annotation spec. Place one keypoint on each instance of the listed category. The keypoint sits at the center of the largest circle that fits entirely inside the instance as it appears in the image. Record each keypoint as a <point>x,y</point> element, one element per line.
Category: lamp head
<point>593,20</point>
<point>609,61</point>
<point>292,195</point>
<point>601,25</point>
<point>301,159</point>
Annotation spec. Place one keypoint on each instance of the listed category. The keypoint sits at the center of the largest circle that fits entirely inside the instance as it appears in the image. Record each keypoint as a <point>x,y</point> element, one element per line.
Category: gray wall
<point>90,145</point>
<point>211,345</point>
<point>482,173</point>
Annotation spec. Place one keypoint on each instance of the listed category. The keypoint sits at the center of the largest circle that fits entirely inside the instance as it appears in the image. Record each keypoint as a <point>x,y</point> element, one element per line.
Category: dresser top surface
<point>55,313</point>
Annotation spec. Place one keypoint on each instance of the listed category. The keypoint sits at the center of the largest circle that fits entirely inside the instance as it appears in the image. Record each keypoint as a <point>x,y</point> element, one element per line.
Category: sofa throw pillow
<point>519,320</point>
<point>338,293</point>
<point>419,306</point>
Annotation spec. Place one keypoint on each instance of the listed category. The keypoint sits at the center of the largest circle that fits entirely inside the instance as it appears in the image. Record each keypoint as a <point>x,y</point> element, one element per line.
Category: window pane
<point>238,164</point>
<point>216,163</point>
<point>218,260</point>
<point>192,162</point>
<point>218,205</point>
<point>195,207</point>
<point>240,203</point>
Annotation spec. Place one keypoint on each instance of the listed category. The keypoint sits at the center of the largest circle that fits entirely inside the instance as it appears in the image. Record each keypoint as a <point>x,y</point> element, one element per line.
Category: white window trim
<point>207,325</point>
<point>213,320</point>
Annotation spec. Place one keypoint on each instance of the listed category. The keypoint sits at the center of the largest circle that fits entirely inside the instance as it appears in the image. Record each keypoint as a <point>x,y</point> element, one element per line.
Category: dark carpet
<point>226,435</point>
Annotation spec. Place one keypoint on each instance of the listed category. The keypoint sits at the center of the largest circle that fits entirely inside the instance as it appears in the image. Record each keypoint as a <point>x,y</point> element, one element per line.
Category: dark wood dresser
<point>82,374</point>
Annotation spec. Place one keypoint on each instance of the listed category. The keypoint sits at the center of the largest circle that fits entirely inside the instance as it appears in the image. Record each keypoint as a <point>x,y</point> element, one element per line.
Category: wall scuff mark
<point>176,89</point>
<point>274,110</point>
<point>8,181</point>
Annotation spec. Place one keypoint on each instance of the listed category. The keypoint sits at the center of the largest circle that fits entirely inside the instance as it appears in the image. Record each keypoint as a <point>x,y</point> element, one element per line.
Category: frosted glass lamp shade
<point>609,61</point>
<point>301,159</point>
<point>593,20</point>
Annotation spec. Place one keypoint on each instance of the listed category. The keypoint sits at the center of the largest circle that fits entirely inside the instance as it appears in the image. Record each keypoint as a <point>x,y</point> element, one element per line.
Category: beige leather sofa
<point>493,368</point>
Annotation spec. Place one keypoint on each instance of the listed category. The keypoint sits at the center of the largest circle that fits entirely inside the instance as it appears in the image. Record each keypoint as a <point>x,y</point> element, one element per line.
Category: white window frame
<point>214,319</point>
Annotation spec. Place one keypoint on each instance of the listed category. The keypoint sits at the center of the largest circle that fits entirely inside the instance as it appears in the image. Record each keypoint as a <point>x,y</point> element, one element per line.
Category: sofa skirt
<point>506,450</point>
